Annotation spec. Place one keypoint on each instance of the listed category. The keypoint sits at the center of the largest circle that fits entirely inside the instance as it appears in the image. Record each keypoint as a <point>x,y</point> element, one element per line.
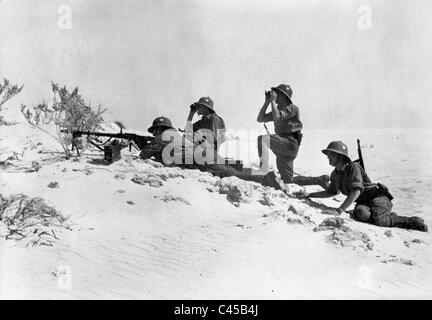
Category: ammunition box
<point>112,153</point>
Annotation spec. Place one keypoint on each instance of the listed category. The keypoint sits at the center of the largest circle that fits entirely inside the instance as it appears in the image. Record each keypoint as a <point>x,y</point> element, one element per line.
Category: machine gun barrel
<point>139,140</point>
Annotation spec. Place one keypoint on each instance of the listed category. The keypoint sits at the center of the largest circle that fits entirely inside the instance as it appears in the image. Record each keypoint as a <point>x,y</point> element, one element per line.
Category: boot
<point>416,223</point>
<point>271,180</point>
<point>323,181</point>
<point>413,223</point>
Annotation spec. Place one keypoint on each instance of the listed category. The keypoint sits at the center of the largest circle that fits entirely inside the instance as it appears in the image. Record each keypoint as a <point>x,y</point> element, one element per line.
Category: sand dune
<point>183,238</point>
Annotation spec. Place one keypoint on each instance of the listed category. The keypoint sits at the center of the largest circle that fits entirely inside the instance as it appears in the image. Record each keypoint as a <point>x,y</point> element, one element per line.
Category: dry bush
<point>68,111</point>
<point>30,219</point>
<point>7,92</point>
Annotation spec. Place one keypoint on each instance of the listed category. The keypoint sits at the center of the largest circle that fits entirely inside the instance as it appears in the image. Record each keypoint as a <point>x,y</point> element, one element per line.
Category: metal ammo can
<point>112,152</point>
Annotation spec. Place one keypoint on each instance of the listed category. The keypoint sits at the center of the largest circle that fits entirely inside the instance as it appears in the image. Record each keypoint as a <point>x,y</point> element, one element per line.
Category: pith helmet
<point>337,147</point>
<point>206,102</point>
<point>284,89</point>
<point>160,122</point>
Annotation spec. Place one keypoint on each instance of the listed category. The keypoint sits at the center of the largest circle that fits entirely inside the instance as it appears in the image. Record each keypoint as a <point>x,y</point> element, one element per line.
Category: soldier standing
<point>287,138</point>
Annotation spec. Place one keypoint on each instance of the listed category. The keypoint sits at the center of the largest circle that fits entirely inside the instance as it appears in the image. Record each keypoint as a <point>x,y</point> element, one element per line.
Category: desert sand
<point>136,230</point>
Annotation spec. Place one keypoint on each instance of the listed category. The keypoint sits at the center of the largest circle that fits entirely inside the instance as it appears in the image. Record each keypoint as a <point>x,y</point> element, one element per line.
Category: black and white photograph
<point>215,150</point>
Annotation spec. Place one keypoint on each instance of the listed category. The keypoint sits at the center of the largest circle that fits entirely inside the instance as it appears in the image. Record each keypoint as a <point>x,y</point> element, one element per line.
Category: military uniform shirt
<point>155,148</point>
<point>289,121</point>
<point>351,177</point>
<point>213,123</point>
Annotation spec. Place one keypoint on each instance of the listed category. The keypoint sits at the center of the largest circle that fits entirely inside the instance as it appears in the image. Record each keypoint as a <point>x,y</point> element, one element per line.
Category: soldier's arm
<point>275,111</point>
<point>288,112</point>
<point>146,153</point>
<point>349,200</point>
<point>189,125</point>
<point>267,117</point>
<point>218,130</point>
<point>151,150</point>
<point>262,115</point>
<point>355,185</point>
<point>331,191</point>
<point>320,194</point>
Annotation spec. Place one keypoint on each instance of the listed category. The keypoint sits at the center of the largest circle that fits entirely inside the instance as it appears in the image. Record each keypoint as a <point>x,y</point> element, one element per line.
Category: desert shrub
<point>30,219</point>
<point>7,92</point>
<point>68,111</point>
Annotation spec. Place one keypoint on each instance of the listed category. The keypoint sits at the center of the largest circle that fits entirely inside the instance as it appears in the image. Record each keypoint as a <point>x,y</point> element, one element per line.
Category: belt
<point>371,193</point>
<point>297,135</point>
<point>287,134</point>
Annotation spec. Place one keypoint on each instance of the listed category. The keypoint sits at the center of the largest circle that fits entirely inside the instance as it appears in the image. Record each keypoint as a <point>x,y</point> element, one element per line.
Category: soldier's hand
<point>145,154</point>
<point>193,107</point>
<point>332,212</point>
<point>301,194</point>
<point>273,96</point>
<point>267,96</point>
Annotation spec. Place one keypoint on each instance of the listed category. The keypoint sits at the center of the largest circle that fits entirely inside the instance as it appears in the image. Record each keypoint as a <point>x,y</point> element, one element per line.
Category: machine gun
<point>111,148</point>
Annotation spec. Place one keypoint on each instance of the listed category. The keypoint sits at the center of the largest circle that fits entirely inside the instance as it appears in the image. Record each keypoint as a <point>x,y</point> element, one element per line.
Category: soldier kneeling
<point>373,201</point>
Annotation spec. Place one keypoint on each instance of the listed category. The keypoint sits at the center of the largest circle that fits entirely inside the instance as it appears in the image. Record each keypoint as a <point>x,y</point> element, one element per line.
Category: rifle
<point>268,131</point>
<point>360,159</point>
<point>112,151</point>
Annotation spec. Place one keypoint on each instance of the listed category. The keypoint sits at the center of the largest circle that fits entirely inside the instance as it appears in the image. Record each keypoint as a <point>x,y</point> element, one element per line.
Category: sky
<point>144,59</point>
